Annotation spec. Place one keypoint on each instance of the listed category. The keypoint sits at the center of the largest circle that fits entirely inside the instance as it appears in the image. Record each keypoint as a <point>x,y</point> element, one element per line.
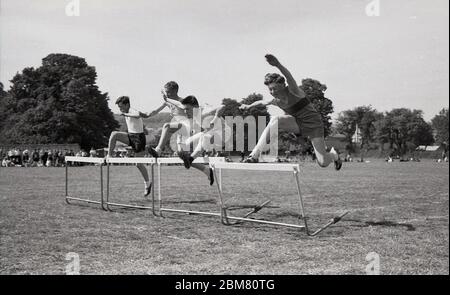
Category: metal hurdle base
<point>226,217</point>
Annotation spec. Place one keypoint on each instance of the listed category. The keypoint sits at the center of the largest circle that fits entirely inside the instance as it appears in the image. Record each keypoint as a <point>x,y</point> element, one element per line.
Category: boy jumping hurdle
<point>189,104</point>
<point>135,137</point>
<point>300,115</point>
<point>178,116</point>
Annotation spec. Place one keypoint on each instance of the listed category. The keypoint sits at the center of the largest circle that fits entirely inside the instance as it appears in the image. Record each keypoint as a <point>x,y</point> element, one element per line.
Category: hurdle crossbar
<point>200,160</point>
<point>90,160</point>
<point>295,169</point>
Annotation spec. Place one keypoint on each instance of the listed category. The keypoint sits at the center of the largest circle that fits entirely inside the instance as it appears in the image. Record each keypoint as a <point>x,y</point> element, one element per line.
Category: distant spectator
<point>92,153</point>
<point>35,158</point>
<point>25,158</point>
<point>48,163</point>
<point>61,156</point>
<point>44,156</point>
<point>6,162</point>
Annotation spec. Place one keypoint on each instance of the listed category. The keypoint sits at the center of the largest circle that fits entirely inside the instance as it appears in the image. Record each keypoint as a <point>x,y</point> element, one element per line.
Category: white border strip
<point>85,159</point>
<point>257,166</point>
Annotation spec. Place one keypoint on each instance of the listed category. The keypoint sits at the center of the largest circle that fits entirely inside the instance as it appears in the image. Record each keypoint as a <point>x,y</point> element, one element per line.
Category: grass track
<point>398,210</point>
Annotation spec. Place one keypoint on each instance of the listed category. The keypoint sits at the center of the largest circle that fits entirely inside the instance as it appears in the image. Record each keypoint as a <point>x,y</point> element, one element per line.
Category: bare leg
<point>142,168</point>
<point>201,145</point>
<point>284,122</point>
<point>167,131</point>
<point>123,137</point>
<point>117,136</point>
<point>323,157</point>
<point>198,140</point>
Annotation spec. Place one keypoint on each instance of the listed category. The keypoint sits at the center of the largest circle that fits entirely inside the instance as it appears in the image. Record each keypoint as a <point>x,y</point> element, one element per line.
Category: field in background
<point>398,210</point>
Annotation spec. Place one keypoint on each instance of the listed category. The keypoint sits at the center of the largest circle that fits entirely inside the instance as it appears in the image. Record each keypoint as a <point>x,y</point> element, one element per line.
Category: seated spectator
<point>25,158</point>
<point>10,154</point>
<point>6,162</point>
<point>35,158</point>
<point>44,156</point>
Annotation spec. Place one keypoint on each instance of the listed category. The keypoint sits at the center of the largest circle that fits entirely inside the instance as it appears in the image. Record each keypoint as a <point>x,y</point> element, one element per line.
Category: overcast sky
<point>215,48</point>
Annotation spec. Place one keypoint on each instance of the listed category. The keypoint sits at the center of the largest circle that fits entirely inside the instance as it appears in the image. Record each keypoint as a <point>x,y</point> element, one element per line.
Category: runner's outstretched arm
<point>292,84</point>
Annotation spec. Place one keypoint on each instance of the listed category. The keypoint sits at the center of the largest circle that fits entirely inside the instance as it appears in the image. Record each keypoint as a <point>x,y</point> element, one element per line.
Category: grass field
<point>398,210</point>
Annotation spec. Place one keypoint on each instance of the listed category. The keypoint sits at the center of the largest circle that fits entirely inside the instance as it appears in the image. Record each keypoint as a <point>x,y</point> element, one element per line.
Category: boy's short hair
<point>123,100</point>
<point>273,78</point>
<point>172,85</point>
<point>190,100</point>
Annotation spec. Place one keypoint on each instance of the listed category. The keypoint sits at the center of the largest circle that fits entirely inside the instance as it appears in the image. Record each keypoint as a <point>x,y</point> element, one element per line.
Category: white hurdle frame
<point>217,164</point>
<point>141,160</point>
<point>295,169</point>
<point>100,161</point>
<point>200,160</point>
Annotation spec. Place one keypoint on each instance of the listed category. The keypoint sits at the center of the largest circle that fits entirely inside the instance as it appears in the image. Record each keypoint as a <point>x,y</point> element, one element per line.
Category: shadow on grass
<point>386,223</point>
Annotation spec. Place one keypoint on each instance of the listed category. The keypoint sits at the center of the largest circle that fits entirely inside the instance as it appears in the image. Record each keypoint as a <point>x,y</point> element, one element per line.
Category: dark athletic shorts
<point>310,123</point>
<point>137,141</point>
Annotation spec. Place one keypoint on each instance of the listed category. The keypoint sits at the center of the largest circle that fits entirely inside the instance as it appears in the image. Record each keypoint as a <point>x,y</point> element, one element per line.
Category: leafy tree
<point>363,116</point>
<point>4,98</point>
<point>2,91</point>
<point>58,102</point>
<point>403,126</point>
<point>315,92</point>
<point>440,125</point>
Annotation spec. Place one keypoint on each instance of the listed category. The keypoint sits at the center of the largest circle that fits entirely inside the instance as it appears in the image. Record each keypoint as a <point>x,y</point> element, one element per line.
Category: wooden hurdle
<point>293,168</point>
<point>101,163</point>
<point>166,161</point>
<point>156,206</point>
<point>110,161</point>
<point>217,164</point>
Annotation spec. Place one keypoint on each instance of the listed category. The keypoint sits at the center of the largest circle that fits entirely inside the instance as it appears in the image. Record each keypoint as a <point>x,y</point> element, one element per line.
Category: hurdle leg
<point>153,189</point>
<point>102,201</point>
<point>67,183</point>
<point>300,199</point>
<point>159,190</point>
<point>302,211</point>
<point>220,178</point>
<point>223,212</point>
<point>107,187</point>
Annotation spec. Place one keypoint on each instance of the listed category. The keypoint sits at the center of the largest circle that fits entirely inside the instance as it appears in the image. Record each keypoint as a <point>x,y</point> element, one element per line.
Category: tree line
<point>400,130</point>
